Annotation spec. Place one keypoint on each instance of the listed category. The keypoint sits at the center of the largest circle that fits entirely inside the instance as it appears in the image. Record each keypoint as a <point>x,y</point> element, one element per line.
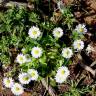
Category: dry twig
<point>87,68</point>
<point>48,87</point>
<point>93,63</point>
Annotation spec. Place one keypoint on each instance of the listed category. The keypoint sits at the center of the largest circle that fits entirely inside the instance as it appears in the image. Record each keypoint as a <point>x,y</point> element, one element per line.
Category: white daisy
<point>63,70</point>
<point>59,78</point>
<point>36,52</point>
<point>78,45</point>
<point>24,78</point>
<point>33,73</point>
<point>62,74</point>
<point>17,89</point>
<point>8,82</point>
<point>60,5</point>
<point>89,49</point>
<point>67,53</point>
<point>21,58</point>
<point>34,32</point>
<point>57,32</point>
<point>28,59</point>
<point>81,28</point>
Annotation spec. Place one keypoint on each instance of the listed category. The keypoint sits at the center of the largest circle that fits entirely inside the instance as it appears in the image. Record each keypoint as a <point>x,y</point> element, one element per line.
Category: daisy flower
<point>57,32</point>
<point>81,28</point>
<point>17,89</point>
<point>78,45</point>
<point>24,78</point>
<point>67,53</point>
<point>33,73</point>
<point>36,52</point>
<point>60,5</point>
<point>34,32</point>
<point>63,71</point>
<point>8,82</point>
<point>21,58</point>
<point>89,49</point>
<point>59,78</point>
<point>28,59</point>
<point>62,74</point>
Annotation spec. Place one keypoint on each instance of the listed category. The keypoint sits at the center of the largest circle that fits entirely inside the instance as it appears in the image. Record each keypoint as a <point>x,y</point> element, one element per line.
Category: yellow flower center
<point>62,72</point>
<point>78,45</point>
<point>17,89</point>
<point>8,81</point>
<point>21,58</point>
<point>34,32</point>
<point>58,33</point>
<point>81,29</point>
<point>67,52</point>
<point>26,78</point>
<point>36,51</point>
<point>32,74</point>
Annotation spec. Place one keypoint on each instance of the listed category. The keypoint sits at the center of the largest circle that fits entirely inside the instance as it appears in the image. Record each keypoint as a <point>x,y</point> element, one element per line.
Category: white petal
<point>8,82</point>
<point>34,32</point>
<point>33,73</point>
<point>36,52</point>
<point>78,45</point>
<point>24,78</point>
<point>67,53</point>
<point>58,32</point>
<point>17,89</point>
<point>62,74</point>
<point>21,58</point>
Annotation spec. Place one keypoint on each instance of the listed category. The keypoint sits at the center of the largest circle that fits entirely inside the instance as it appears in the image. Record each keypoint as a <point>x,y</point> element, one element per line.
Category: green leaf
<point>42,60</point>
